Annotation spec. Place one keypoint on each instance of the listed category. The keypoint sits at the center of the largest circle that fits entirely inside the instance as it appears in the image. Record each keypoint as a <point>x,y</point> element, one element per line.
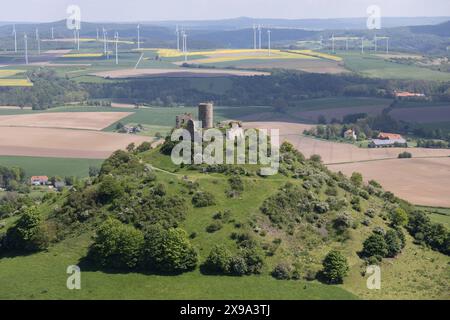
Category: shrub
<point>109,189</point>
<point>335,267</point>
<point>405,155</point>
<point>357,179</point>
<point>375,245</point>
<point>169,250</point>
<point>203,199</point>
<point>399,217</point>
<point>238,266</point>
<point>393,242</point>
<point>236,183</point>
<point>282,271</point>
<point>28,234</point>
<point>116,245</point>
<point>219,260</point>
<point>215,226</point>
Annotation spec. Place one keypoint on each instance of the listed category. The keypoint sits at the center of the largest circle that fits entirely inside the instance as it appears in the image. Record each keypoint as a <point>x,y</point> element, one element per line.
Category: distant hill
<point>442,30</point>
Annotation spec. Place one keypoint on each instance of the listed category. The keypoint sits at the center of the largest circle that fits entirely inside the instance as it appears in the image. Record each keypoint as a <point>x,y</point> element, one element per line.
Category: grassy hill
<point>294,218</point>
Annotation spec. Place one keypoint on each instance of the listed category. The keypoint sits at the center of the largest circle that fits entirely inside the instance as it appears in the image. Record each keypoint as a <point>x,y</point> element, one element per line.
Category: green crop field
<point>439,215</point>
<point>376,67</point>
<point>35,166</point>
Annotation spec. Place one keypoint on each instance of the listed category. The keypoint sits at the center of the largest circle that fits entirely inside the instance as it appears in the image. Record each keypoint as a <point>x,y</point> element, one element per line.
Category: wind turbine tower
<point>268,38</point>
<point>38,41</point>
<point>362,45</point>
<point>97,34</point>
<point>177,32</point>
<point>254,36</point>
<point>53,33</point>
<point>26,48</point>
<point>332,44</point>
<point>15,38</point>
<point>185,46</point>
<point>375,43</point>
<point>116,37</point>
<point>139,36</point>
<point>260,36</point>
<point>387,45</point>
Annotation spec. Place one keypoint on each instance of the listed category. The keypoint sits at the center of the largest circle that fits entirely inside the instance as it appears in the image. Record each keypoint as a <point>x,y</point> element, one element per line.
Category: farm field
<point>62,143</point>
<point>62,167</point>
<point>422,115</point>
<point>73,120</point>
<point>373,66</point>
<point>179,72</point>
<point>423,180</point>
<point>438,215</point>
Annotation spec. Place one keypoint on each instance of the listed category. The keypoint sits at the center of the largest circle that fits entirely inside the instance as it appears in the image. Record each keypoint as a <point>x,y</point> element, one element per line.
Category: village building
<point>406,94</point>
<point>350,134</point>
<point>39,180</point>
<point>385,140</point>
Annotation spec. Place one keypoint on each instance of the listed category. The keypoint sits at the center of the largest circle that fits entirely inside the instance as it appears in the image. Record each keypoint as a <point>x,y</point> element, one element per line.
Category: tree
<point>393,242</point>
<point>117,245</point>
<point>28,233</point>
<point>169,250</point>
<point>203,199</point>
<point>335,267</point>
<point>357,179</point>
<point>375,245</point>
<point>399,217</point>
<point>219,260</point>
<point>109,189</point>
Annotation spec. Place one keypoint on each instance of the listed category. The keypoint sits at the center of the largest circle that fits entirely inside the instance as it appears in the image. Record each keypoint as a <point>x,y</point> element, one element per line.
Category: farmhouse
<point>350,134</point>
<point>39,180</point>
<point>388,140</point>
<point>406,94</point>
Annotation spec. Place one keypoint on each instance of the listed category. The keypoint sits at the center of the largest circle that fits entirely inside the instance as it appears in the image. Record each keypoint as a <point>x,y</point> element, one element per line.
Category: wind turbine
<point>332,44</point>
<point>375,41</point>
<point>97,35</point>
<point>185,46</point>
<point>268,37</point>
<point>362,45</point>
<point>260,36</point>
<point>254,36</point>
<point>26,48</point>
<point>15,38</point>
<point>177,32</point>
<point>346,43</point>
<point>321,42</point>
<point>105,44</point>
<point>387,45</point>
<point>139,36</point>
<point>38,41</point>
<point>53,34</point>
<point>116,37</point>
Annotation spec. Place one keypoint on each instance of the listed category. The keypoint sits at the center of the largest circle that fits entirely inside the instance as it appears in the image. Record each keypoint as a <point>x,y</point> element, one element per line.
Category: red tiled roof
<point>389,136</point>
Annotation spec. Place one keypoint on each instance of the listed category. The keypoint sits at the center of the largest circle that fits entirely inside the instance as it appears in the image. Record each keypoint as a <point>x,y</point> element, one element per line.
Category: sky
<point>152,10</point>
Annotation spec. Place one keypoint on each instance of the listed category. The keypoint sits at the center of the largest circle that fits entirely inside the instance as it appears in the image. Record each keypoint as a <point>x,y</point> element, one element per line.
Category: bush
<point>399,217</point>
<point>405,155</point>
<point>282,271</point>
<point>335,267</point>
<point>215,226</point>
<point>393,242</point>
<point>219,260</point>
<point>375,245</point>
<point>169,250</point>
<point>203,199</point>
<point>109,189</point>
<point>238,266</point>
<point>116,245</point>
<point>357,179</point>
<point>28,234</point>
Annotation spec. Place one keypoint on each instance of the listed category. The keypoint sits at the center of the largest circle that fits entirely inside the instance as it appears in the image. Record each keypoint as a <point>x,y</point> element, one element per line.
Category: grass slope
<point>51,166</point>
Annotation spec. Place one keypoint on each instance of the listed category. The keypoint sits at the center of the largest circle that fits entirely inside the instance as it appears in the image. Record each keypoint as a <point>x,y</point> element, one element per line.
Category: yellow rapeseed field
<point>15,83</point>
<point>317,54</point>
<point>10,73</point>
<point>83,55</point>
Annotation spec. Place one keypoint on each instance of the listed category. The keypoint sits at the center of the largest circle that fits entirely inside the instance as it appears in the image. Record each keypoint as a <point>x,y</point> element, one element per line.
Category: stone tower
<point>206,115</point>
